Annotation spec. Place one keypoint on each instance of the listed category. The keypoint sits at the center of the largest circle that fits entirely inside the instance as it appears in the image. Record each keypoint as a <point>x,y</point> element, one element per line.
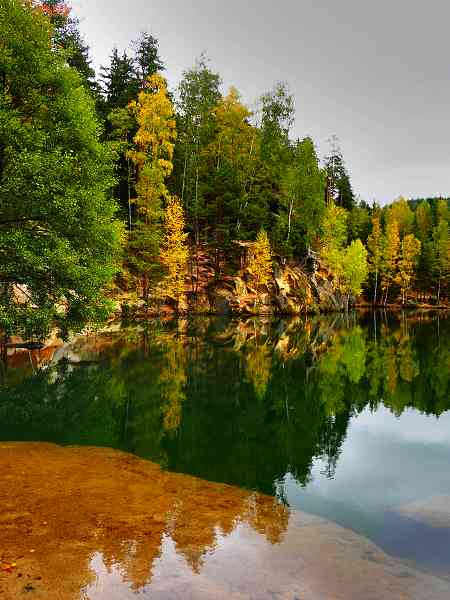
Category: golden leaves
<point>261,263</point>
<point>174,254</point>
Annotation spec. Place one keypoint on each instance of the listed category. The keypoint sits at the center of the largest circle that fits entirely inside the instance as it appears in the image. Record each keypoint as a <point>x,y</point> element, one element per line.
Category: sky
<point>376,74</point>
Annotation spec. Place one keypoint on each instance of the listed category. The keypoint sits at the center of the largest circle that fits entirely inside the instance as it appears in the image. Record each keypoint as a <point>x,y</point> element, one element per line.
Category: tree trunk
<point>376,289</point>
<point>129,193</point>
<point>291,206</point>
<point>386,295</point>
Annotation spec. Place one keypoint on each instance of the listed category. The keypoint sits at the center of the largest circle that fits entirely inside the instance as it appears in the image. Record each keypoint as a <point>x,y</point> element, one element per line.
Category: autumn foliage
<point>174,252</point>
<point>261,264</point>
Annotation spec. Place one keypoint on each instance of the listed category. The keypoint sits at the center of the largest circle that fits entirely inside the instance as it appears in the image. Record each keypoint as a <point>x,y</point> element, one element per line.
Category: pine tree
<point>67,37</point>
<point>339,189</point>
<point>174,253</point>
<point>410,252</point>
<point>147,61</point>
<point>261,264</point>
<point>119,83</point>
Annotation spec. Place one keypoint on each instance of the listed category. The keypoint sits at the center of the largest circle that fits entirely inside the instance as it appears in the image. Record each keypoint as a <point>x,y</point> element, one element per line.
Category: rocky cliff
<point>295,288</point>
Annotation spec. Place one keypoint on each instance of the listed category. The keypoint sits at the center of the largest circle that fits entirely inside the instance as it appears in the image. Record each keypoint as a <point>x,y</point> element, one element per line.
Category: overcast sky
<point>375,73</point>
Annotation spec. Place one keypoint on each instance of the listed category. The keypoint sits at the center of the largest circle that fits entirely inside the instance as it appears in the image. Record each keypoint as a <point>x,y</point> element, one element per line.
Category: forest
<point>116,181</point>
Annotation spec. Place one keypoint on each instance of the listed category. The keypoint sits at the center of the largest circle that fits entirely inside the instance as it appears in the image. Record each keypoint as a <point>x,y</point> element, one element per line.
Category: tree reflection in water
<point>236,401</point>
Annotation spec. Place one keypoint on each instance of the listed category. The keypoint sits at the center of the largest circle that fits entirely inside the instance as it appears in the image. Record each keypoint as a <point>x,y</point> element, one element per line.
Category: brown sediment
<point>97,524</point>
<point>60,506</point>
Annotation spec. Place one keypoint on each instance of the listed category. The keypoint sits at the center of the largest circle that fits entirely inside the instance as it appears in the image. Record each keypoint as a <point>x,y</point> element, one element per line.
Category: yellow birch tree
<point>410,252</point>
<point>261,264</point>
<point>390,257</point>
<point>375,256</point>
<point>174,252</point>
<point>152,157</point>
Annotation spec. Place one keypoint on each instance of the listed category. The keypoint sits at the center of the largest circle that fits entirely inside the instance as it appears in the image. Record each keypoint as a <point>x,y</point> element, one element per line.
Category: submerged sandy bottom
<point>86,523</point>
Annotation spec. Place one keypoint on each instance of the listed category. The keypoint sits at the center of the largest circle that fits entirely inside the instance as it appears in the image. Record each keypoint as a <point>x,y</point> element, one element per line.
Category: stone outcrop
<point>295,289</point>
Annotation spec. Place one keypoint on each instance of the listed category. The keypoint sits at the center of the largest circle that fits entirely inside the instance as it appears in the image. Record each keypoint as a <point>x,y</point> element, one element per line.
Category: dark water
<point>346,418</point>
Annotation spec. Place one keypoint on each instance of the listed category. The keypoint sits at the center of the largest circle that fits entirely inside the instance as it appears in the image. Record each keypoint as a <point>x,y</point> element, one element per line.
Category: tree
<point>440,255</point>
<point>276,116</point>
<point>304,184</point>
<point>152,157</point>
<point>424,221</point>
<point>354,269</point>
<point>401,212</point>
<point>359,222</point>
<point>67,37</point>
<point>174,253</point>
<point>334,237</point>
<point>390,257</point>
<point>147,61</point>
<point>59,240</point>
<point>410,252</point>
<point>375,247</point>
<point>339,189</point>
<point>198,94</point>
<point>261,264</point>
<point>119,83</point>
<point>233,153</point>
<point>423,230</point>
<point>127,74</point>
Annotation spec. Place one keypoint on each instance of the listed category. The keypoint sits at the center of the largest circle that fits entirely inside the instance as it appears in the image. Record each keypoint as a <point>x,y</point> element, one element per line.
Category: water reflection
<point>241,402</point>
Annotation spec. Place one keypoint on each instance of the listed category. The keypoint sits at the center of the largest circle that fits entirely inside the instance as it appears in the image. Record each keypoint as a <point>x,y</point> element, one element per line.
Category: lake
<point>283,458</point>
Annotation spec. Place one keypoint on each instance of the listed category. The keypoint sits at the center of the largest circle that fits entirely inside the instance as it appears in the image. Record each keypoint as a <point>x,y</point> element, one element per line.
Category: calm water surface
<point>347,419</point>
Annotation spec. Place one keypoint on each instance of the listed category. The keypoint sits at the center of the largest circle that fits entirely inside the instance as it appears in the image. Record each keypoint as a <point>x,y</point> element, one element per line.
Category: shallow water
<point>345,422</point>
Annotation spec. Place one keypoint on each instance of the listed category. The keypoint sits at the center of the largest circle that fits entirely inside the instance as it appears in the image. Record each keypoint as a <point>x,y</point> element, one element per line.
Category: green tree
<point>440,256</point>
<point>59,240</point>
<point>197,95</point>
<point>334,237</point>
<point>359,222</point>
<point>276,119</point>
<point>147,61</point>
<point>118,82</point>
<point>354,269</point>
<point>67,37</point>
<point>304,183</point>
<point>423,230</point>
<point>424,221</point>
<point>339,188</point>
<point>231,156</point>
